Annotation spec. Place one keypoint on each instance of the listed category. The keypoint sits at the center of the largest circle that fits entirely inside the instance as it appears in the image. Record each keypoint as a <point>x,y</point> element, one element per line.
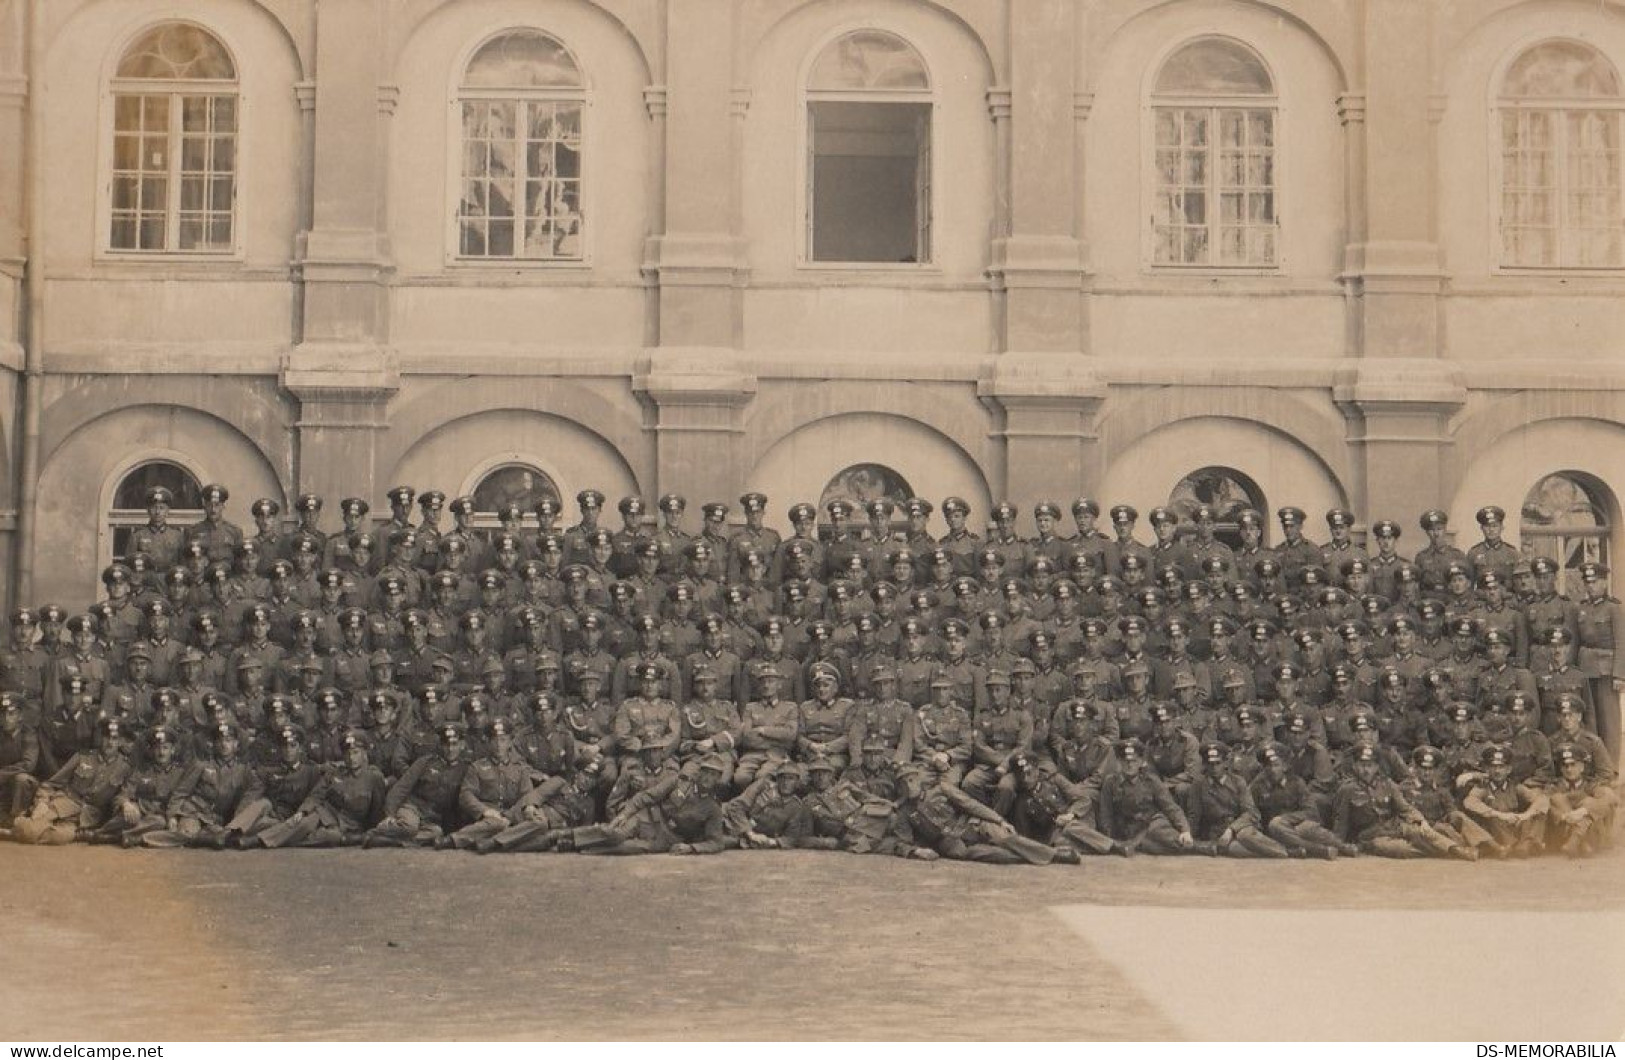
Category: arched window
<point>174,173</point>
<point>521,101</point>
<point>1565,518</point>
<point>862,483</point>
<point>516,483</point>
<point>1561,111</point>
<point>1213,168</point>
<point>869,152</point>
<point>129,509</point>
<point>1227,491</point>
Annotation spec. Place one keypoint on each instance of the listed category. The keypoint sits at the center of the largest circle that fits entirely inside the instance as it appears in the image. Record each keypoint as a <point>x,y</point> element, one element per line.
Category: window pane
<point>1214,67</point>
<point>522,59</point>
<point>519,484</point>
<point>868,59</point>
<point>1562,68</point>
<point>191,232</point>
<point>152,232</point>
<point>501,238</point>
<point>177,50</point>
<point>192,193</point>
<point>123,235</point>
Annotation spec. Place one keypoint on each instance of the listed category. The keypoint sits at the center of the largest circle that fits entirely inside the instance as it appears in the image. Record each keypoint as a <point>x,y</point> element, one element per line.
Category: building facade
<point>1316,252</point>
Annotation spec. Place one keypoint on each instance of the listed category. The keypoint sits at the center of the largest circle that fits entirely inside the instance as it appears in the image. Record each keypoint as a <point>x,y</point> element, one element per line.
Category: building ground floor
<point>1385,441</point>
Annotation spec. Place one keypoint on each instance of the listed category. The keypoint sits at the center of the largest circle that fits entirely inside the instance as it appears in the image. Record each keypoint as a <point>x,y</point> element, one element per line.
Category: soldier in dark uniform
<point>650,717</point>
<point>1137,810</point>
<point>142,812</point>
<point>951,822</point>
<point>219,536</point>
<point>627,544</point>
<point>1561,679</point>
<point>1371,810</point>
<point>77,799</point>
<point>19,758</point>
<point>999,733</point>
<point>158,540</point>
<point>1582,805</point>
<point>752,537</point>
<point>709,723</point>
<point>1046,542</point>
<point>268,538</point>
<point>1513,814</point>
<point>1287,808</point>
<point>1492,553</point>
<point>23,663</point>
<point>770,814</point>
<point>494,791</point>
<point>1219,805</point>
<point>961,543</point>
<point>423,804</point>
<point>1169,553</point>
<point>337,553</point>
<point>1435,560</point>
<point>1600,625</point>
<point>347,801</point>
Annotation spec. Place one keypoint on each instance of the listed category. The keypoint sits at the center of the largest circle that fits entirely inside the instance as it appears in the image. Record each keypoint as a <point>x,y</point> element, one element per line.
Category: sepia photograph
<point>800,521</point>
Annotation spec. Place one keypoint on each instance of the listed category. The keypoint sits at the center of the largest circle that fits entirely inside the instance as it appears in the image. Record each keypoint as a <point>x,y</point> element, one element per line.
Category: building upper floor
<point>1302,180</point>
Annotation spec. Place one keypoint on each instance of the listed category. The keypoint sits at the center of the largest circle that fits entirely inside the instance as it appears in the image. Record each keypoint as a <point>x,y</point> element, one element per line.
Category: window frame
<point>111,87</point>
<point>1151,101</point>
<point>1500,104</point>
<point>491,465</point>
<point>806,97</point>
<point>1598,497</point>
<point>457,95</point>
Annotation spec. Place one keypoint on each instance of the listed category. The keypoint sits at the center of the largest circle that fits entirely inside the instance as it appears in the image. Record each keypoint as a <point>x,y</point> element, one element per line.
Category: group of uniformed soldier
<point>859,685</point>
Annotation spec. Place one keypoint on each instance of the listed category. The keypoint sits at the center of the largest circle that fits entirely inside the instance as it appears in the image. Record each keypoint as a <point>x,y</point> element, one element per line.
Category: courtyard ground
<point>179,945</point>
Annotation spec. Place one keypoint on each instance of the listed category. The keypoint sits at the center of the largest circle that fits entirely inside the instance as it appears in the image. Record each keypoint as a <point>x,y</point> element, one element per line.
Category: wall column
<point>1038,263</point>
<point>341,371</point>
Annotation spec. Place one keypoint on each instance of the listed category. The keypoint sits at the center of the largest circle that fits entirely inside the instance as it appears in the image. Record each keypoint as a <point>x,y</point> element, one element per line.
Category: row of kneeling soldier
<point>870,689</point>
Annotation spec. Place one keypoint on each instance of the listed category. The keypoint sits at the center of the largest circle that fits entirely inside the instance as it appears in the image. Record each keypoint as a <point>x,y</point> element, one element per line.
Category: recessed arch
<point>965,423</point>
<point>801,464</point>
<point>496,19</point>
<point>1130,419</point>
<point>251,411</point>
<point>611,422</point>
<point>578,458</point>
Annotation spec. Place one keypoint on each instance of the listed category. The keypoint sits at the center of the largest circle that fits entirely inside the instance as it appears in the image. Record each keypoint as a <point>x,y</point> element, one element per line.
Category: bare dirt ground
<point>179,945</point>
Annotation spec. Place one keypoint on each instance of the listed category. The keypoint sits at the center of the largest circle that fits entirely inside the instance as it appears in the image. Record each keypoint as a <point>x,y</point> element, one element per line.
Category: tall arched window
<point>1227,491</point>
<point>1213,168</point>
<point>521,101</point>
<point>862,483</point>
<point>515,483</point>
<point>1560,159</point>
<point>1565,518</point>
<point>129,509</point>
<point>174,172</point>
<point>869,152</point>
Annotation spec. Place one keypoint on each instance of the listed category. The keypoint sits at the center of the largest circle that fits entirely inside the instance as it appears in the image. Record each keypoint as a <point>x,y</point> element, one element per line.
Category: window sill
<point>520,264</point>
<point>901,268</point>
<point>107,256</point>
<point>1560,273</point>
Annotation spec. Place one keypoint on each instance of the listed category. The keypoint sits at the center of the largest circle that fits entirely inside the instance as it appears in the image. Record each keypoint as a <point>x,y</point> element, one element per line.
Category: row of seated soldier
<point>869,688</point>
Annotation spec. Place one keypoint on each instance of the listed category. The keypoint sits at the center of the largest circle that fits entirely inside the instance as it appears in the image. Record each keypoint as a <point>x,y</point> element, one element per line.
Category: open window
<point>869,177</point>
